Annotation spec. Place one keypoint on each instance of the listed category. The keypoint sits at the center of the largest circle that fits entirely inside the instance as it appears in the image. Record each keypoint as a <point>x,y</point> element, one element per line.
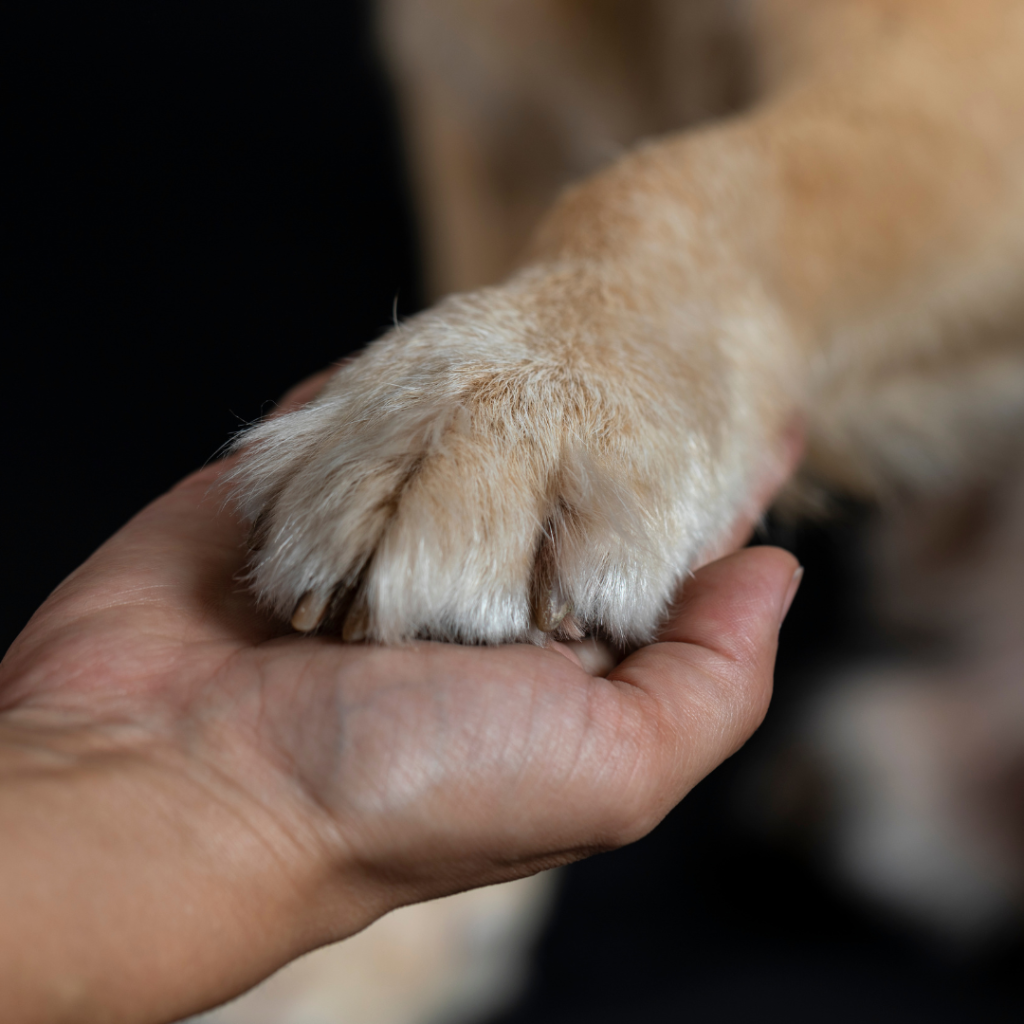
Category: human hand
<point>190,797</point>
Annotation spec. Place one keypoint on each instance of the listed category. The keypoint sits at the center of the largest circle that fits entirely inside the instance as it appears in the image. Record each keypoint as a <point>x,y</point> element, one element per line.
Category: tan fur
<point>847,250</point>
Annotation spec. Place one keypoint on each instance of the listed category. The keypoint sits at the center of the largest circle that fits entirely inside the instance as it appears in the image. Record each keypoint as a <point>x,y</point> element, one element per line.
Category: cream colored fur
<point>554,453</point>
<point>488,458</point>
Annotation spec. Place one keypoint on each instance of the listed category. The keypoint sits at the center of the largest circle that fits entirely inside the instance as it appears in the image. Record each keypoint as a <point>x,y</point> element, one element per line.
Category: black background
<point>208,205</point>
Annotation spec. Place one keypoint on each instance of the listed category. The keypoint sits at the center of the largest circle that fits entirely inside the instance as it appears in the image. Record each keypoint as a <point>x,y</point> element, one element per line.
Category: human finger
<point>710,675</point>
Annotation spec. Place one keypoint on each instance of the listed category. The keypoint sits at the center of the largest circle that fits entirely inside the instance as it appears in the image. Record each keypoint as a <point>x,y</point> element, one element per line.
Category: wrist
<point>139,884</point>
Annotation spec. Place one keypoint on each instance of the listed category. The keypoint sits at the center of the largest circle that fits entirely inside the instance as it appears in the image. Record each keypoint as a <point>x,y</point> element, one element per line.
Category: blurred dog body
<point>922,754</point>
<point>808,209</point>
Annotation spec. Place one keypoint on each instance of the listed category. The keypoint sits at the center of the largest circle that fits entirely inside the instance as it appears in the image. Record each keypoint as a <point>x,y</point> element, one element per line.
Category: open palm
<point>204,796</point>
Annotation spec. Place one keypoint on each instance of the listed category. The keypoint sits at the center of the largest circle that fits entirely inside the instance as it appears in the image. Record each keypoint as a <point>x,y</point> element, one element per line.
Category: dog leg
<point>552,454</point>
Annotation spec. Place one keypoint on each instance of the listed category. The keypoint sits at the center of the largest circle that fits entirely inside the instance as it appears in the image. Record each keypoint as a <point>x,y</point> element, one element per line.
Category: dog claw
<point>549,614</point>
<point>310,612</point>
<point>357,624</point>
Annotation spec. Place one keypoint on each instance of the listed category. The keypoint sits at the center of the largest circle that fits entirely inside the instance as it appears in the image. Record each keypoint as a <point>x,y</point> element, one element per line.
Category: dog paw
<point>493,471</point>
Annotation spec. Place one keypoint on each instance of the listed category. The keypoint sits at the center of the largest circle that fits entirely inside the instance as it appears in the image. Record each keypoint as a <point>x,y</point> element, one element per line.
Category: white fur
<point>431,471</point>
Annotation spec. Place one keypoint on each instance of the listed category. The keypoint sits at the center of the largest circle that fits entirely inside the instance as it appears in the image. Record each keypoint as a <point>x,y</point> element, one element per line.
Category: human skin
<point>191,796</point>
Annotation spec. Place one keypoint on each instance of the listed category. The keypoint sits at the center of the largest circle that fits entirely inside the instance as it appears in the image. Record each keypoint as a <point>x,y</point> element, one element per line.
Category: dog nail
<point>549,614</point>
<point>356,624</point>
<point>309,612</point>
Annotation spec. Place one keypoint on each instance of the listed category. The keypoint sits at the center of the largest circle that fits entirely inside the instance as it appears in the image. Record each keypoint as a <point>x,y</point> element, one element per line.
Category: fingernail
<point>794,586</point>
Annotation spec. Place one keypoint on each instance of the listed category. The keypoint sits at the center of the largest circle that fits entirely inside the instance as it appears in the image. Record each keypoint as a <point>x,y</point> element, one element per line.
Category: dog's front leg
<point>551,455</point>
